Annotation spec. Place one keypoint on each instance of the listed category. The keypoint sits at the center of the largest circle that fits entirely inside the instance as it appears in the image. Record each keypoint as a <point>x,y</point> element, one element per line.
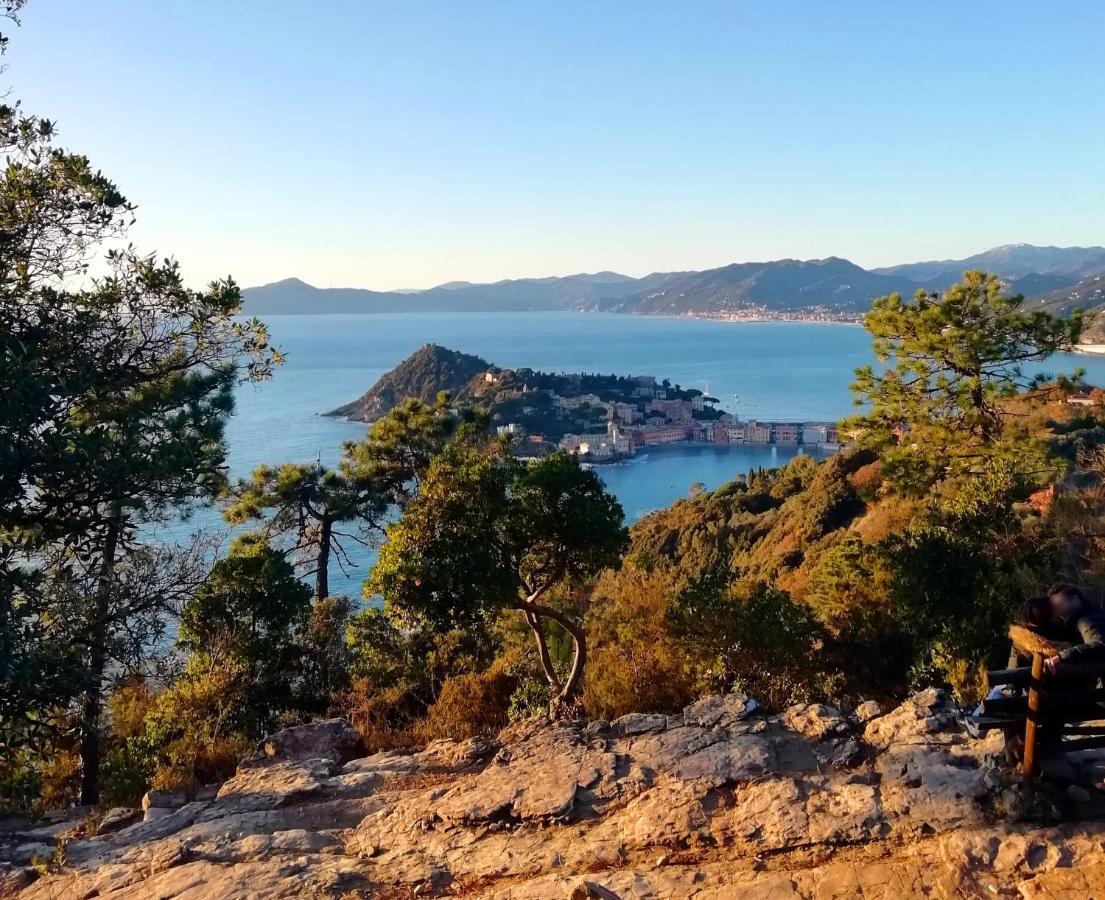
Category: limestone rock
<point>713,804</point>
<point>719,711</point>
<point>866,711</point>
<point>929,717</point>
<point>164,799</point>
<point>13,878</point>
<point>639,723</point>
<point>330,739</point>
<point>118,817</point>
<point>816,721</point>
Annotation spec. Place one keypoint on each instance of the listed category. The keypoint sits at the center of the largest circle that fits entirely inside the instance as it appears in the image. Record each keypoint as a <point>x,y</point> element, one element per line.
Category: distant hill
<point>787,284</point>
<point>1034,284</point>
<point>424,374</point>
<point>1011,261</point>
<point>295,297</point>
<point>834,286</point>
<point>1088,295</point>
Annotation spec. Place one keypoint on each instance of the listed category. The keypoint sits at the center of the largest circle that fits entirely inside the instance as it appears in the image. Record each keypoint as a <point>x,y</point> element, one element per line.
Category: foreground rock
<point>719,802</point>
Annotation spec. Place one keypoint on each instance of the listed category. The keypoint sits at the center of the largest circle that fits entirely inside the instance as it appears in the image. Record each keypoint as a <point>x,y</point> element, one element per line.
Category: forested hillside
<point>423,375</point>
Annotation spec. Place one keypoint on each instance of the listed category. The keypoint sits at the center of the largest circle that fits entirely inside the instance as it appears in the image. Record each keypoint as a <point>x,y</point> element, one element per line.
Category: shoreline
<point>643,455</point>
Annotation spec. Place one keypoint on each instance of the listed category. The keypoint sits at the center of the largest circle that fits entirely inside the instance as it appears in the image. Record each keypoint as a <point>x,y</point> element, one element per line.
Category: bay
<point>775,371</point>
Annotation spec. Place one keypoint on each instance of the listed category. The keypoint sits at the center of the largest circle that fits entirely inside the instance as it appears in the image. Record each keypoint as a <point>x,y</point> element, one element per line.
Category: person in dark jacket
<point>1080,624</point>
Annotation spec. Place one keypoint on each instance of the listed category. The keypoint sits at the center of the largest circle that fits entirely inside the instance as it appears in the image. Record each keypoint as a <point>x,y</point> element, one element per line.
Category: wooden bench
<point>1034,704</point>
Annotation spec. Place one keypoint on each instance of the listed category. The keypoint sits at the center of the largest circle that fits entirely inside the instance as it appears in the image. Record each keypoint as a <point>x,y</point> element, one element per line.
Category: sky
<point>403,144</point>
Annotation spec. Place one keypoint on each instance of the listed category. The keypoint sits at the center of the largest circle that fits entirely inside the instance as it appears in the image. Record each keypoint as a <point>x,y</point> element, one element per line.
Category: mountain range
<point>1062,277</point>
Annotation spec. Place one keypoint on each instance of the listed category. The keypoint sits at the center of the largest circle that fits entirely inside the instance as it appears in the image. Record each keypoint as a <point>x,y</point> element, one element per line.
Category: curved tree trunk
<point>571,687</point>
<point>543,649</point>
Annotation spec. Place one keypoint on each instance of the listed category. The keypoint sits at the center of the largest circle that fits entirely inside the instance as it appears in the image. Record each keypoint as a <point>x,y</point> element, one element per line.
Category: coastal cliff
<point>718,801</point>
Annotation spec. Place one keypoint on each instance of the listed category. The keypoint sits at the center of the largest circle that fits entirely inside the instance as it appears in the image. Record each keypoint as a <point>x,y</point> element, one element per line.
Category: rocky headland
<point>720,801</point>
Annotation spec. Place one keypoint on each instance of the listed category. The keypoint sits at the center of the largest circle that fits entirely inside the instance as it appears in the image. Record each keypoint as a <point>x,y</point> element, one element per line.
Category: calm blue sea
<point>772,370</point>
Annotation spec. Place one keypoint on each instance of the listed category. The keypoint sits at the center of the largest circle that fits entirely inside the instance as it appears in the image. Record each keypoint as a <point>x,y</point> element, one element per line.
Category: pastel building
<point>784,433</point>
<point>570,442</point>
<point>660,434</point>
<point>757,432</point>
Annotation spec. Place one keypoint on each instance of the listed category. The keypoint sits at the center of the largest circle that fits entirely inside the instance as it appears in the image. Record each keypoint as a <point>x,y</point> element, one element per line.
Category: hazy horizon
<point>398,147</point>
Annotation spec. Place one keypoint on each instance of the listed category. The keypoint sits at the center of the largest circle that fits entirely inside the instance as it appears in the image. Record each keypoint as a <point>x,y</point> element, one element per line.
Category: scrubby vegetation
<point>503,589</point>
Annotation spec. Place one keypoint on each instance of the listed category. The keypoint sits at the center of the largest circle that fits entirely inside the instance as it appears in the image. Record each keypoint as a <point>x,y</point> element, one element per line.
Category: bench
<point>1036,705</point>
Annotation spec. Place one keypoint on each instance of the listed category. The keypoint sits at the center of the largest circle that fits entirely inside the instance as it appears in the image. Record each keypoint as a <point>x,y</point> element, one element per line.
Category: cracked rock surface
<point>719,802</point>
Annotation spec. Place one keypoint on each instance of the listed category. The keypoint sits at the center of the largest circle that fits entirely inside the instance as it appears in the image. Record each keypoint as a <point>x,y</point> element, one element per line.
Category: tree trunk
<point>97,658</point>
<point>579,639</point>
<point>322,574</point>
<point>543,650</point>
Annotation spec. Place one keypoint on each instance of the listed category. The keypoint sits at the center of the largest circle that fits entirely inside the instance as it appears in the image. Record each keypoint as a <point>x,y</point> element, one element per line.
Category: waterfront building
<point>735,434</point>
<point>784,433</point>
<point>570,442</point>
<point>757,432</point>
<point>660,434</point>
<point>597,448</point>
<point>815,435</point>
<point>621,439</point>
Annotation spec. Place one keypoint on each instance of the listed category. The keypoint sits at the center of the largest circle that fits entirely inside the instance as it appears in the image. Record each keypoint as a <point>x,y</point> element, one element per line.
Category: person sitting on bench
<point>1076,621</point>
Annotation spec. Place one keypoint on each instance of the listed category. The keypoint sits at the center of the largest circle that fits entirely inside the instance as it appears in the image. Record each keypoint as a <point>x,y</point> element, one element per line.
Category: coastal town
<point>652,415</point>
<point>599,417</point>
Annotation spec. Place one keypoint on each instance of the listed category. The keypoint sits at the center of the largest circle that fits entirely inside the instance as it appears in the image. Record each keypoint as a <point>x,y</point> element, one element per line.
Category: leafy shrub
<point>127,707</point>
<point>199,728</point>
<point>125,773</point>
<point>635,663</point>
<point>383,717</point>
<point>530,699</point>
<point>469,705</point>
<point>60,775</point>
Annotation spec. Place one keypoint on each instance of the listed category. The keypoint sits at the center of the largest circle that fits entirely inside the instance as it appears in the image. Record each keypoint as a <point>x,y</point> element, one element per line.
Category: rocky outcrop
<point>330,739</point>
<point>719,802</point>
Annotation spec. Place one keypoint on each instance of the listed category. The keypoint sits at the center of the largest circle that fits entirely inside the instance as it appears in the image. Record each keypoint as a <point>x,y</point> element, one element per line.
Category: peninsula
<point>600,417</point>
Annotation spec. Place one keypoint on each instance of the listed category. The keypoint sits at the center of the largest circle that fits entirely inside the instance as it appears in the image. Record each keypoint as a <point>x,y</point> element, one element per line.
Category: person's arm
<point>1091,652</point>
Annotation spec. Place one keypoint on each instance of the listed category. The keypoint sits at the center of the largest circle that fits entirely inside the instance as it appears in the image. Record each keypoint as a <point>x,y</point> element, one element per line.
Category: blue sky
<point>403,144</point>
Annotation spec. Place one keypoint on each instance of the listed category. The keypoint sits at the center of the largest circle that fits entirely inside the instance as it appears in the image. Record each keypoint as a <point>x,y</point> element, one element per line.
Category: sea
<point>773,371</point>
